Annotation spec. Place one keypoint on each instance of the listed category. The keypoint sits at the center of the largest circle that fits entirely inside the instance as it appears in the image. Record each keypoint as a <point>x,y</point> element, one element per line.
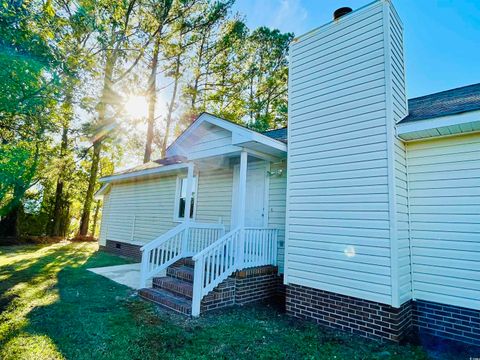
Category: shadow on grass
<point>57,309</point>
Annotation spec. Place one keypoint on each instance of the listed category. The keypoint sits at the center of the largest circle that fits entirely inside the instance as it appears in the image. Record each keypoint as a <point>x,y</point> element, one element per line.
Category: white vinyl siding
<point>338,183</point>
<point>214,198</point>
<point>403,239</point>
<point>143,209</point>
<point>207,139</point>
<point>104,222</point>
<point>444,198</point>
<point>399,97</point>
<point>340,156</point>
<point>276,207</point>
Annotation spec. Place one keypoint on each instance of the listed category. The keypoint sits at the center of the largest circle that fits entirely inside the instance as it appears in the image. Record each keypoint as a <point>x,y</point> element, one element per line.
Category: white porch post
<point>242,193</point>
<point>188,205</point>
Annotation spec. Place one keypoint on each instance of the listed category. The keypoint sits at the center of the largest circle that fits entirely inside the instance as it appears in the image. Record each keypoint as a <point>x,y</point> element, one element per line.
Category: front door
<point>255,195</point>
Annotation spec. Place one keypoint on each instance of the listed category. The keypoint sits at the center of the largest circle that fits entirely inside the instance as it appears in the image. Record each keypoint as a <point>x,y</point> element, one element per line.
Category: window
<point>182,196</point>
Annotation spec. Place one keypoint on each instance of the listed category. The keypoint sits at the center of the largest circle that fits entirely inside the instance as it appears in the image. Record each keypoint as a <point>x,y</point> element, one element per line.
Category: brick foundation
<point>374,320</point>
<point>243,287</point>
<point>447,321</point>
<point>365,318</point>
<point>123,249</point>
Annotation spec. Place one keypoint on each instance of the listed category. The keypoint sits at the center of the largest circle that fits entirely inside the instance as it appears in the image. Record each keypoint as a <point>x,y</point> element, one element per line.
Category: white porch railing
<point>260,247</point>
<point>240,248</point>
<point>182,241</point>
<point>201,236</point>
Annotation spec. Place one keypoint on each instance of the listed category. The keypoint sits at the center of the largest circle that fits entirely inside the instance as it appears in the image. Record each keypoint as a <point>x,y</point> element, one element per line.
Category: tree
<point>161,12</point>
<point>117,34</point>
<point>29,74</point>
<point>267,73</point>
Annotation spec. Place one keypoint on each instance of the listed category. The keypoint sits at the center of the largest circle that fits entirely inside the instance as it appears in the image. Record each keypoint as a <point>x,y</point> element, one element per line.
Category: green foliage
<point>67,67</point>
<point>52,307</point>
<point>238,74</point>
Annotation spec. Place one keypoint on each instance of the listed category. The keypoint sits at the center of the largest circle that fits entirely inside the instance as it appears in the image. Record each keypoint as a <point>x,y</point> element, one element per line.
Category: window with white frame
<point>181,197</point>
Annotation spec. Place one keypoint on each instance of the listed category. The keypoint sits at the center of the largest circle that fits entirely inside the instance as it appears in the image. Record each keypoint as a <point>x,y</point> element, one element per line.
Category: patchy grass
<point>51,307</point>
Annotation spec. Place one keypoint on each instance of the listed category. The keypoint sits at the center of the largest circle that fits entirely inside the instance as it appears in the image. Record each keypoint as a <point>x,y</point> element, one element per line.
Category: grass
<point>51,307</point>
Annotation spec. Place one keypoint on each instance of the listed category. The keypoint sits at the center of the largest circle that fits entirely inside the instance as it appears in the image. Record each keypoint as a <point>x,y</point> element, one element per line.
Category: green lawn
<point>51,307</point>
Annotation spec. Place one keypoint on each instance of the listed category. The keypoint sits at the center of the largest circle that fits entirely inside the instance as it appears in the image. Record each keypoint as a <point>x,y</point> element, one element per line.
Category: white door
<point>255,212</point>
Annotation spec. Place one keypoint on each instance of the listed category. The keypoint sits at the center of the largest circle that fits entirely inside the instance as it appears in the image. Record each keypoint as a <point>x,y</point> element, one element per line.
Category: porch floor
<point>128,274</point>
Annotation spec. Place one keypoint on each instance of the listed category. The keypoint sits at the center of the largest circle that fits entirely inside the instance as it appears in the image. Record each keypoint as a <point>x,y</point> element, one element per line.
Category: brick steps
<point>176,286</point>
<point>174,291</point>
<point>185,261</point>
<point>167,299</point>
<point>182,272</point>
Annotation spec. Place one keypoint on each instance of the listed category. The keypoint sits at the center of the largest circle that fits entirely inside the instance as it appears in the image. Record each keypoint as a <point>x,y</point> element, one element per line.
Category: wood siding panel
<point>445,220</point>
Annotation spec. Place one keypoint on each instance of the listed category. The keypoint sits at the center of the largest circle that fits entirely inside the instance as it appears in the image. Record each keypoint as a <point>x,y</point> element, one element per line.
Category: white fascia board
<point>242,138</point>
<point>141,173</point>
<point>240,134</point>
<point>102,191</point>
<point>438,122</point>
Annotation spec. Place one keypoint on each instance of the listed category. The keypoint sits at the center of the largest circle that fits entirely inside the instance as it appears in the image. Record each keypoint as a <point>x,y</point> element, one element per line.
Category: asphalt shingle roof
<point>449,102</point>
<point>277,134</point>
<point>153,164</point>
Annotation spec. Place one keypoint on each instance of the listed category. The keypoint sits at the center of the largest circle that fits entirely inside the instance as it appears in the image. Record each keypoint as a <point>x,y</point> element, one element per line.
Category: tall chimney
<point>346,92</point>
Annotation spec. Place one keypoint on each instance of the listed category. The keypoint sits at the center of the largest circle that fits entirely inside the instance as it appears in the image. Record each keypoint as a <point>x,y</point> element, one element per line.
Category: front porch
<point>215,205</point>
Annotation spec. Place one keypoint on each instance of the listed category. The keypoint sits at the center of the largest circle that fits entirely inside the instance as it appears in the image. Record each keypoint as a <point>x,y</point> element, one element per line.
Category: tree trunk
<point>198,75</point>
<point>95,217</point>
<point>107,95</point>
<point>91,188</point>
<point>152,100</point>
<point>56,220</point>
<point>171,107</point>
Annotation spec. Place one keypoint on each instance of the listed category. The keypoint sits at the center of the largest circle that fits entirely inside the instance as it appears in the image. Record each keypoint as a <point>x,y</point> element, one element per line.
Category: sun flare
<point>137,106</point>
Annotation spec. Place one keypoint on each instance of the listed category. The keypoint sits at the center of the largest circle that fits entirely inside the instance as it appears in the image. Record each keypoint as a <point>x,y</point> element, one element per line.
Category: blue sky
<point>442,38</point>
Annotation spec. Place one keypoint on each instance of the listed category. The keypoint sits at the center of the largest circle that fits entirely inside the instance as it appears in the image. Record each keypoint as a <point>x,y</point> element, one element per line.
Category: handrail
<point>154,243</point>
<point>213,265</point>
<point>207,226</point>
<point>176,243</point>
<point>240,248</point>
<point>211,246</point>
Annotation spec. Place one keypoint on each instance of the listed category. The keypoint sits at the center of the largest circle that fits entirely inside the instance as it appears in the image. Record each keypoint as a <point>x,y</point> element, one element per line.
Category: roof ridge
<point>444,91</point>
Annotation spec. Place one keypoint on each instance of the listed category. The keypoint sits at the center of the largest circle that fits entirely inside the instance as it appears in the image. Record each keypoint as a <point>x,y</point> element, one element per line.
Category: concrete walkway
<point>128,274</point>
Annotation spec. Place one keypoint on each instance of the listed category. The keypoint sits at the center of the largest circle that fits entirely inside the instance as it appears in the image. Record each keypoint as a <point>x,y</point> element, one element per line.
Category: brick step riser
<point>185,261</point>
<point>177,290</point>
<point>164,302</point>
<point>180,274</point>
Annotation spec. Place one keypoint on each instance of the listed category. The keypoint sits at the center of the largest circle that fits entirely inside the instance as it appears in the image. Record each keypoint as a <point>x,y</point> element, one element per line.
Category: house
<point>368,205</point>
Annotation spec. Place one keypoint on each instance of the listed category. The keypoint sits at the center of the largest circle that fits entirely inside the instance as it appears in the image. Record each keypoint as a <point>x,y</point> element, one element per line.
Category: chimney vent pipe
<point>341,12</point>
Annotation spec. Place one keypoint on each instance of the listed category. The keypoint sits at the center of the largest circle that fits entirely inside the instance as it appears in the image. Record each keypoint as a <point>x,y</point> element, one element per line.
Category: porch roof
<point>148,169</point>
<point>273,140</point>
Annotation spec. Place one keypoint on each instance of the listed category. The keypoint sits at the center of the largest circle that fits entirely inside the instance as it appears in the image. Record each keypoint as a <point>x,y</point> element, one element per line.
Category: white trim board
<point>141,173</point>
<point>240,134</point>
<point>407,128</point>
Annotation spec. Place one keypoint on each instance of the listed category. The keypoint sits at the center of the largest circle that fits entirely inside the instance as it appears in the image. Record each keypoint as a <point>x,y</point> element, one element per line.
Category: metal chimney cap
<point>341,12</point>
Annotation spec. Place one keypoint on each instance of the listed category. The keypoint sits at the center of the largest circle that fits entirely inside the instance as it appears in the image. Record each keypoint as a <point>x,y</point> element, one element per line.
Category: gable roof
<point>449,102</point>
<point>241,134</point>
